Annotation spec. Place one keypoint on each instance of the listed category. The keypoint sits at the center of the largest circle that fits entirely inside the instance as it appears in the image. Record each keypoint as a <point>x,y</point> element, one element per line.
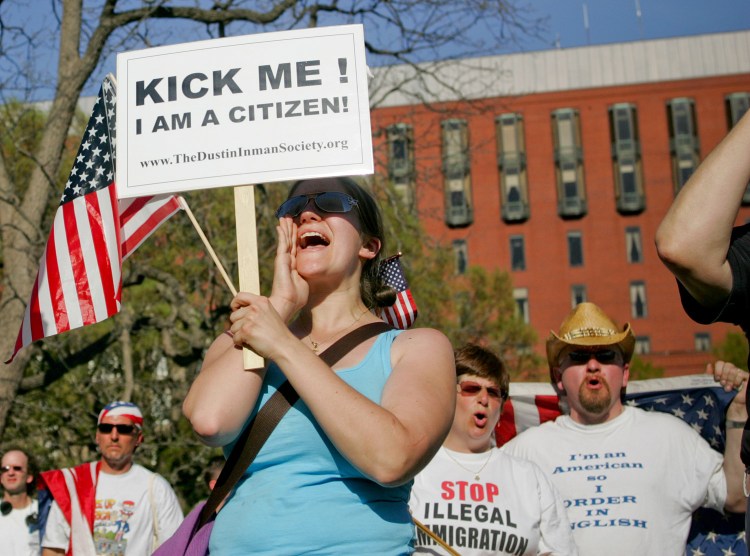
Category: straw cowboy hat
<point>587,325</point>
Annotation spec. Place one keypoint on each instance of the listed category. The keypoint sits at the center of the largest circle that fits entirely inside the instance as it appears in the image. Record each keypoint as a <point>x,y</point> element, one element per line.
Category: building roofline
<point>583,67</point>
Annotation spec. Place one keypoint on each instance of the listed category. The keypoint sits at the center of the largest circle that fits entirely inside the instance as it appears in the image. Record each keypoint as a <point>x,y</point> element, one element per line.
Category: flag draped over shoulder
<point>79,281</point>
<point>74,490</point>
<point>403,313</point>
<point>696,399</point>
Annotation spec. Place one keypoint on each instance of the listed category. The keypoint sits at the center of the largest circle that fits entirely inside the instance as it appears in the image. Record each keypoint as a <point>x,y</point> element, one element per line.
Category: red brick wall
<point>605,272</point>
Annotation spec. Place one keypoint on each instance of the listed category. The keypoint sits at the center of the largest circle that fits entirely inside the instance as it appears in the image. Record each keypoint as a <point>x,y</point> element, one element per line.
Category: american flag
<point>79,280</point>
<point>696,399</point>
<point>403,313</point>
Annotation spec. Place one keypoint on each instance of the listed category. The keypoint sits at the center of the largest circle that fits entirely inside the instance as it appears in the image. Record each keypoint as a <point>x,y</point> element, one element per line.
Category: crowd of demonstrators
<point>630,479</point>
<point>482,500</point>
<point>113,505</point>
<point>401,429</point>
<point>708,254</point>
<point>19,510</point>
<point>334,476</point>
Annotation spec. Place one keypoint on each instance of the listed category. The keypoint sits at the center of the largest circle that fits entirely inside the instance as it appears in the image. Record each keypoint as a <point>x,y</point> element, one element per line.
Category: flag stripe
<point>63,291</point>
<point>103,237</point>
<point>548,406</point>
<point>140,225</point>
<point>80,295</point>
<point>506,428</point>
<point>33,327</point>
<point>91,240</point>
<point>45,320</point>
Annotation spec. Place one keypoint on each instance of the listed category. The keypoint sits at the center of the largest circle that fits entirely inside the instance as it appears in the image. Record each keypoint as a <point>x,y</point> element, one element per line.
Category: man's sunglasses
<point>328,201</point>
<point>6,468</point>
<point>468,388</point>
<point>605,356</point>
<point>106,428</point>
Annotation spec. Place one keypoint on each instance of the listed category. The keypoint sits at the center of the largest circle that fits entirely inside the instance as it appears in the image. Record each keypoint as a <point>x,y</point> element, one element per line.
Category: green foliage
<point>642,370</point>
<point>733,349</point>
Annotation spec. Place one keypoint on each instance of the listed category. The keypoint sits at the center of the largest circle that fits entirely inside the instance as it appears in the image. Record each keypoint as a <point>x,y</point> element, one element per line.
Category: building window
<point>456,166</point>
<point>642,345</point>
<point>626,158</point>
<point>638,304</point>
<point>575,249</point>
<point>521,296</point>
<point>511,163</point>
<point>517,253</point>
<point>461,254</point>
<point>577,295</point>
<point>702,341</point>
<point>401,168</point>
<point>737,104</point>
<point>566,134</point>
<point>683,140</point>
<point>633,244</point>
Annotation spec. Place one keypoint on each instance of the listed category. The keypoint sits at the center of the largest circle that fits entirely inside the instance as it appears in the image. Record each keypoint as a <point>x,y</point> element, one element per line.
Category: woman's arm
<point>223,394</point>
<point>693,238</point>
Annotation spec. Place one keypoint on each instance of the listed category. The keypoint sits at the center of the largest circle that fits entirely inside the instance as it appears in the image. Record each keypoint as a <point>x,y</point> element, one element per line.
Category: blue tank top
<point>301,496</point>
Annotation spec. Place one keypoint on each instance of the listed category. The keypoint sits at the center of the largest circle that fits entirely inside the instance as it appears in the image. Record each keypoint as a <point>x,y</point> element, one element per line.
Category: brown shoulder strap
<point>261,426</point>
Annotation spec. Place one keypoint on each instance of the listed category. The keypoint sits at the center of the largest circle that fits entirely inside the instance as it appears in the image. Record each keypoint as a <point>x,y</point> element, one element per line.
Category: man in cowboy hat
<point>111,506</point>
<point>630,479</point>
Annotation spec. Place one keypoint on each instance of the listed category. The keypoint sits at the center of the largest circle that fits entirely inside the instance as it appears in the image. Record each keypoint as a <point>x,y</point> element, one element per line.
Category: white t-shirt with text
<point>126,522</point>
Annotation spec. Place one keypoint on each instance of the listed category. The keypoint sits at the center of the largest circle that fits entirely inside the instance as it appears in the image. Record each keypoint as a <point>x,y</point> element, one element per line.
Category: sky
<point>611,21</point>
<point>570,23</point>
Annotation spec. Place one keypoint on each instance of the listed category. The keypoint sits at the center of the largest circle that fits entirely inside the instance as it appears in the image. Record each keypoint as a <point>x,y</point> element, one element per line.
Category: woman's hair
<point>472,359</point>
<point>374,293</point>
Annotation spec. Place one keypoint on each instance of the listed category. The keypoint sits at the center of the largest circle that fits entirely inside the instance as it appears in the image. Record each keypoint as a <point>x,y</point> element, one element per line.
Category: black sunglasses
<point>328,201</point>
<point>106,428</point>
<point>603,356</point>
<point>6,468</point>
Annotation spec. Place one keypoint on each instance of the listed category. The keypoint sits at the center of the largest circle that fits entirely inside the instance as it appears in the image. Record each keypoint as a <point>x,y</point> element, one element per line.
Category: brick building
<point>558,166</point>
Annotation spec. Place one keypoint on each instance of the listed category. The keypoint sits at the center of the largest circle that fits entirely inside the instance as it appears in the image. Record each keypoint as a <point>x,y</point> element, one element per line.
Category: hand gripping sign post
<point>243,110</point>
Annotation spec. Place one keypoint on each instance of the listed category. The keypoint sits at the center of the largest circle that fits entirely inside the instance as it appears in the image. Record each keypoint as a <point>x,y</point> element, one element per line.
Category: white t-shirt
<point>17,538</point>
<point>124,518</point>
<point>629,485</point>
<point>511,509</point>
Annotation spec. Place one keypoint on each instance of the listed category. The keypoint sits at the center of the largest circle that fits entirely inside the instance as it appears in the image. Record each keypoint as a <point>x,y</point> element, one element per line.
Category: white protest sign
<point>243,110</point>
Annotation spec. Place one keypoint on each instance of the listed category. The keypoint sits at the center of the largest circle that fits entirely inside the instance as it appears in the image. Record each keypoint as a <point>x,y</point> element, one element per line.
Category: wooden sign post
<point>247,254</point>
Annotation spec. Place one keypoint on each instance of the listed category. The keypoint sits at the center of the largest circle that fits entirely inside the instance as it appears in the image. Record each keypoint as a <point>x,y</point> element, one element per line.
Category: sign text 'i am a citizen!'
<point>252,109</point>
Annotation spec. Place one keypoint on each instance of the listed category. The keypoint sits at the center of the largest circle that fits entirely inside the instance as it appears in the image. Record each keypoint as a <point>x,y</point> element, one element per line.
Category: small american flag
<point>696,399</point>
<point>79,281</point>
<point>403,313</point>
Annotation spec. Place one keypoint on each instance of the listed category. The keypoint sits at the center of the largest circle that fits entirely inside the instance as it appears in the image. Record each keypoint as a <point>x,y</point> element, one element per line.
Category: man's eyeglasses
<point>605,356</point>
<point>106,428</point>
<point>468,388</point>
<point>16,468</point>
<point>328,201</point>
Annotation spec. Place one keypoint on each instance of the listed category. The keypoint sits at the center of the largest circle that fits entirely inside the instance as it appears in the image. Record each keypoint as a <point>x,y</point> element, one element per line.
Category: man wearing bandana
<point>112,506</point>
